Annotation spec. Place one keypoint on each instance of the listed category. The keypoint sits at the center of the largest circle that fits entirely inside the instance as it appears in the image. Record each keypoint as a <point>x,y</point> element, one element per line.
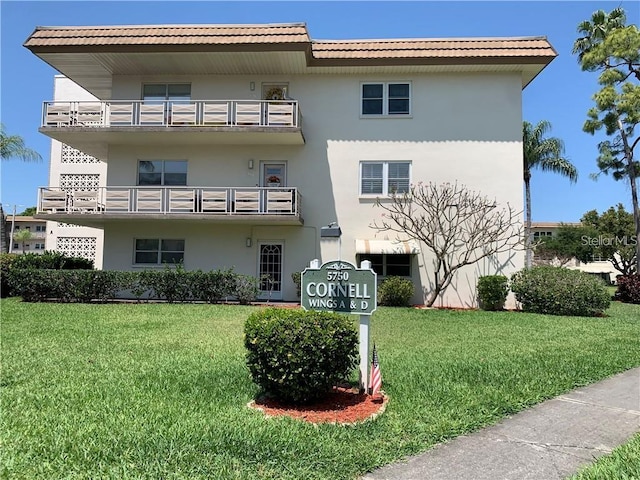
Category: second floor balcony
<point>260,122</point>
<point>248,205</point>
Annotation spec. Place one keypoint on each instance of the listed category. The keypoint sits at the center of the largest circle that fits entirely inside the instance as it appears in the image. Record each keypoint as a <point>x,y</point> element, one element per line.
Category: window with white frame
<point>386,265</point>
<point>39,246</point>
<point>160,92</point>
<point>538,235</point>
<point>41,228</point>
<point>158,251</point>
<point>385,98</point>
<point>384,178</point>
<point>162,172</point>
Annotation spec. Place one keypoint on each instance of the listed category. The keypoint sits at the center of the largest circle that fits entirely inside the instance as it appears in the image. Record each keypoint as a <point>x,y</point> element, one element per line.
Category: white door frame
<point>275,294</point>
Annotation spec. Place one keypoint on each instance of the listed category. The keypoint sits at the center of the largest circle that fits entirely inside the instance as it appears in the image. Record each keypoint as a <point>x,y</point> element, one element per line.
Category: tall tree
<point>458,226</point>
<point>546,154</point>
<point>12,146</point>
<point>614,239</point>
<point>29,212</point>
<point>608,46</point>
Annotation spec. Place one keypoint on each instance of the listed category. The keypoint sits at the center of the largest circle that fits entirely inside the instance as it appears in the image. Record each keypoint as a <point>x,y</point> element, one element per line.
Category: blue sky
<point>561,93</point>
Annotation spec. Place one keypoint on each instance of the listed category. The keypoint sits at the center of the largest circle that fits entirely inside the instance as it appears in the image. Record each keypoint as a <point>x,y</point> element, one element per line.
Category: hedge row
<point>47,260</point>
<point>172,285</point>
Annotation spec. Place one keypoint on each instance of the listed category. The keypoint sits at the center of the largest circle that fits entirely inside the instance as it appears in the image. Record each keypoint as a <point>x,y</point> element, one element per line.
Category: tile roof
<point>433,48</point>
<point>292,33</point>
<point>167,35</point>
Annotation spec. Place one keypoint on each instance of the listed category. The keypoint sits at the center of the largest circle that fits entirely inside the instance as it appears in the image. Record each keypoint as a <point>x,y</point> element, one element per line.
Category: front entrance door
<point>270,270</point>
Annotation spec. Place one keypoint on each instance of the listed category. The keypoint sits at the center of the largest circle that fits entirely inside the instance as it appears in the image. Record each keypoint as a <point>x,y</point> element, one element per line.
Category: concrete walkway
<point>550,441</point>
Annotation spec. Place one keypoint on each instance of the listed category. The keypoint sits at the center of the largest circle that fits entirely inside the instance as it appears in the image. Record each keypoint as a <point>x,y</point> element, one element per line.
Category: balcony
<point>242,205</point>
<point>258,122</point>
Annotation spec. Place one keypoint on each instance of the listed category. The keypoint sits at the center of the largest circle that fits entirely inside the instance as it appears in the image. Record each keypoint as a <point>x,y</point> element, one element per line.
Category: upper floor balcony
<point>248,205</point>
<point>91,125</point>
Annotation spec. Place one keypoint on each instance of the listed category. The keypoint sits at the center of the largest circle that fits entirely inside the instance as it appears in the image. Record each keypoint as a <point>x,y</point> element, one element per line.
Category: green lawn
<point>622,464</point>
<point>160,391</point>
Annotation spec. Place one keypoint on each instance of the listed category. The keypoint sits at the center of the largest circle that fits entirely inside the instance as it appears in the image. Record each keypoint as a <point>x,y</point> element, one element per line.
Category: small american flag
<point>376,376</point>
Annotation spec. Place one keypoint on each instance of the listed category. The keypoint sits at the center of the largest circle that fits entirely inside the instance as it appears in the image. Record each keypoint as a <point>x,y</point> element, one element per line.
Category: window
<point>384,178</point>
<point>41,228</point>
<point>160,92</point>
<point>162,172</point>
<point>386,99</point>
<point>39,246</point>
<point>387,265</point>
<point>538,235</point>
<point>156,251</point>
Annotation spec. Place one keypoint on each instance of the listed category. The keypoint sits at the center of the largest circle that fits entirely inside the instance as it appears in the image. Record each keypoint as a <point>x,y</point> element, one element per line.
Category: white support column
<point>364,342</point>
<point>364,353</point>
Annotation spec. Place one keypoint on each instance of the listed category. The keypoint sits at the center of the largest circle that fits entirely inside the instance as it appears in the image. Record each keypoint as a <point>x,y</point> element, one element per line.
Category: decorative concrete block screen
<point>72,155</point>
<point>77,246</point>
<point>79,181</point>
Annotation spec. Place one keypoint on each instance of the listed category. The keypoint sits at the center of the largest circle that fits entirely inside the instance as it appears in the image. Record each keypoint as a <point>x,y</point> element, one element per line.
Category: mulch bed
<point>343,406</point>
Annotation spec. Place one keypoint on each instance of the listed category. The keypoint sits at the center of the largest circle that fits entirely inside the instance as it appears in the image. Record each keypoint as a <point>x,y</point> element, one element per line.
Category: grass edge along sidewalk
<point>156,390</point>
<point>550,441</point>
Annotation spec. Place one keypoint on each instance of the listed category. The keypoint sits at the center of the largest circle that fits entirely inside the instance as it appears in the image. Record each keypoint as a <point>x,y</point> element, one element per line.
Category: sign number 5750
<point>337,276</point>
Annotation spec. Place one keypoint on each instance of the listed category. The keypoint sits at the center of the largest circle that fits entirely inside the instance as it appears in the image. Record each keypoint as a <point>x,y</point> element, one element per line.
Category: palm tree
<point>12,146</point>
<point>23,236</point>
<point>547,155</point>
<point>594,32</point>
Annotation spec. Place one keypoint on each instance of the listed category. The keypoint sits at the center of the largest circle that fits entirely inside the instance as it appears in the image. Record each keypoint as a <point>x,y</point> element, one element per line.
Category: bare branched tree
<point>460,227</point>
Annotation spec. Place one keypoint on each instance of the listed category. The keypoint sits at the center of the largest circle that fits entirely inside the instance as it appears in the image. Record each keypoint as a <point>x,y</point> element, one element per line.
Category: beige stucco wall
<point>463,127</point>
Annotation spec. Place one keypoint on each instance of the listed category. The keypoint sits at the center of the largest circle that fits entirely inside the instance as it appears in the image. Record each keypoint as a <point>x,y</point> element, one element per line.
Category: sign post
<point>338,286</point>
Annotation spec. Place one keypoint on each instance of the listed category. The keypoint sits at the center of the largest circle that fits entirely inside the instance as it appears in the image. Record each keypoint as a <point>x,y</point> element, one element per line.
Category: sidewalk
<point>550,441</point>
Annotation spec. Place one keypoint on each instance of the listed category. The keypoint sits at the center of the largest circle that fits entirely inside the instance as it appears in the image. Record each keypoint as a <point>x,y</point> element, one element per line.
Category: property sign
<point>338,286</point>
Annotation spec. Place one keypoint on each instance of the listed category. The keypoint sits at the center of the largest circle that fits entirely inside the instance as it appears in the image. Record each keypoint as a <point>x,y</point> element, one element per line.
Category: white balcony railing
<point>171,200</point>
<point>201,113</point>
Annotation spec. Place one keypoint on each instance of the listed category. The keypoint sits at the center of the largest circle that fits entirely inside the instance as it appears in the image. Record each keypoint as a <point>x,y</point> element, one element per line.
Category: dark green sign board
<point>338,286</point>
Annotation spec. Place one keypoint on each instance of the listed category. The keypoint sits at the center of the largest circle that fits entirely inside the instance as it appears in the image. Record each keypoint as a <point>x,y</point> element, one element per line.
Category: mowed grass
<point>622,464</point>
<point>160,391</point>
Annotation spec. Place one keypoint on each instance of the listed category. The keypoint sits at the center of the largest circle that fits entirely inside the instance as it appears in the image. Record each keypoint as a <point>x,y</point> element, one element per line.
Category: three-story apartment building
<point>233,145</point>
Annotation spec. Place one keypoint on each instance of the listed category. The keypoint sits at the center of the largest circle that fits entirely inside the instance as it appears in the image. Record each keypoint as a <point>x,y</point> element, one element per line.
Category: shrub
<point>246,289</point>
<point>53,261</point>
<point>297,280</point>
<point>493,291</point>
<point>298,356</point>
<point>395,292</point>
<point>213,286</point>
<point>628,288</point>
<point>559,291</point>
<point>7,262</point>
<point>171,284</point>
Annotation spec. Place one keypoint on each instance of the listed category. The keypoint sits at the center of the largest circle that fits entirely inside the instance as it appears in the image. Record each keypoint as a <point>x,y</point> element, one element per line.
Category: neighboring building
<point>599,267</point>
<point>231,146</point>
<point>37,228</point>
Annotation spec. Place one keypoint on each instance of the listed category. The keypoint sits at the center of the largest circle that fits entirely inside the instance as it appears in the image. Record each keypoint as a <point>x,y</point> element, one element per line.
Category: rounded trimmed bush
<point>492,292</point>
<point>560,291</point>
<point>628,290</point>
<point>395,292</point>
<point>298,356</point>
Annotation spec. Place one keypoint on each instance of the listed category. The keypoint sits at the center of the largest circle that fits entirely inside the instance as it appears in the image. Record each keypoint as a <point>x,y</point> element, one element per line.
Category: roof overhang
<point>91,56</point>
